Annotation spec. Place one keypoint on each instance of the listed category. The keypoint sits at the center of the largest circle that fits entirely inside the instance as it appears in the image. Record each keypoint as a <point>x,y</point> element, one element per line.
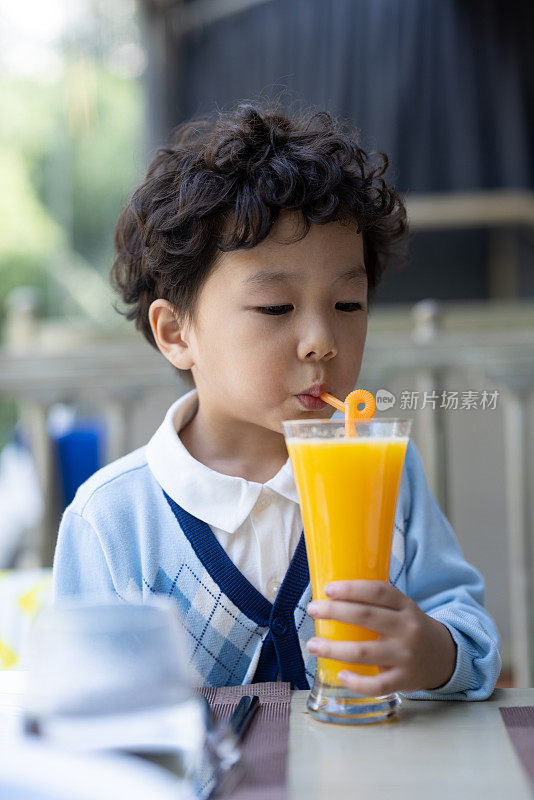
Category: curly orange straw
<point>350,407</point>
<point>332,401</point>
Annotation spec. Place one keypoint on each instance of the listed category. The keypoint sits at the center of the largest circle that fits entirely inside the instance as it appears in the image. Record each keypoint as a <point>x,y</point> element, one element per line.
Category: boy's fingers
<point>385,683</point>
<point>377,593</point>
<point>379,654</point>
<point>373,618</point>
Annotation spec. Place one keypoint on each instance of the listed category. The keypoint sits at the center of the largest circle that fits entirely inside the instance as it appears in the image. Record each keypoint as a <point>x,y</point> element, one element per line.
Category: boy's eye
<point>278,310</point>
<point>274,310</point>
<point>349,306</point>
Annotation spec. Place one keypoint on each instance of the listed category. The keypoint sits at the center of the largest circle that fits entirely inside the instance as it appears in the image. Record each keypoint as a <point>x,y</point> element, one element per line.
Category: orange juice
<point>348,490</point>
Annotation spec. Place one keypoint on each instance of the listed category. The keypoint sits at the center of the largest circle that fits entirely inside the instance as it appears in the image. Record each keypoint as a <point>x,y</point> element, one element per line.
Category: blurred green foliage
<point>71,151</point>
<point>69,156</point>
<point>8,419</point>
<point>106,162</point>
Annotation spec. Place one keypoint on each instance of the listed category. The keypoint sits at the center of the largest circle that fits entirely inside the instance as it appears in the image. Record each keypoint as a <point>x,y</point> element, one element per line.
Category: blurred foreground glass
<point>348,489</point>
<point>115,676</point>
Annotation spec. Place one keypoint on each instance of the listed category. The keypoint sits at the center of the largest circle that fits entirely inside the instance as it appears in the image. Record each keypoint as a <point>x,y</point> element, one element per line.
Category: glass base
<point>339,704</point>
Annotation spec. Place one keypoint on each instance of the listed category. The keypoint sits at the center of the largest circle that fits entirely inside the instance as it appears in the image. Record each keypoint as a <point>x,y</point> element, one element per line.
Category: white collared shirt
<point>257,524</point>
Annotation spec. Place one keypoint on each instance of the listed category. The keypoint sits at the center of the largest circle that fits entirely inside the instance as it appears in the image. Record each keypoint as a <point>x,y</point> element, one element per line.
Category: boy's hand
<point>413,651</point>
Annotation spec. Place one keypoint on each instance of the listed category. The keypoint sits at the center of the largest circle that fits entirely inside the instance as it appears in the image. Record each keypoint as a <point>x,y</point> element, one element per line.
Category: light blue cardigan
<point>122,534</point>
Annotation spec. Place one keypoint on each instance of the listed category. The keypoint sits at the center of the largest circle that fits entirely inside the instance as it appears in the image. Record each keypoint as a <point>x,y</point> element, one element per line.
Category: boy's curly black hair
<point>220,186</point>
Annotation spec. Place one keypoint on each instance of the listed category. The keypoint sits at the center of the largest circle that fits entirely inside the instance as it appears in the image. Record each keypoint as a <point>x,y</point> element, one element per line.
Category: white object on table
<point>30,768</point>
<point>34,770</point>
<point>12,683</point>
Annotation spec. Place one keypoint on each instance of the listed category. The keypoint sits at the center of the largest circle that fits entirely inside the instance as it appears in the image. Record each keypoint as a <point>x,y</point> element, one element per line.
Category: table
<point>436,749</point>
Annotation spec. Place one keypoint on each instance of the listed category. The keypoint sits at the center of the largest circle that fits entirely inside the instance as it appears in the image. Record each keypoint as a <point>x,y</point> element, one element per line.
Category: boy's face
<point>277,320</point>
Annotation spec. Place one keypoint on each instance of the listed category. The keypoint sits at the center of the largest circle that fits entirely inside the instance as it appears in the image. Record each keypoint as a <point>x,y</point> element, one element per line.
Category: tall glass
<point>348,489</point>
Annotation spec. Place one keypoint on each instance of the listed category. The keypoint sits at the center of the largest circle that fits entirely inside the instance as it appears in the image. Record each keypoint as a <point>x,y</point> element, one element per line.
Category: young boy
<point>248,257</point>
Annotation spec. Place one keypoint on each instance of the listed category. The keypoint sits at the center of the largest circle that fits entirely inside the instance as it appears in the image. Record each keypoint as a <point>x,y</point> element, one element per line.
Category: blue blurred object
<point>80,453</point>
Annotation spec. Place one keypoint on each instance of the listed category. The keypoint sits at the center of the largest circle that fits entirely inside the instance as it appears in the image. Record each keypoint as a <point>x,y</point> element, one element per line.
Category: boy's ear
<point>171,338</point>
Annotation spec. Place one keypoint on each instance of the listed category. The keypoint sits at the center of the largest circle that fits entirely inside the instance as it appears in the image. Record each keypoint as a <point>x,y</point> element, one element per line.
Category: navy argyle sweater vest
<point>236,635</point>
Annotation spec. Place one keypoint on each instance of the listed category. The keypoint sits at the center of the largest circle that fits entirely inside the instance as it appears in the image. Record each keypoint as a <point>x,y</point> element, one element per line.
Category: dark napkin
<point>265,745</point>
<point>519,722</point>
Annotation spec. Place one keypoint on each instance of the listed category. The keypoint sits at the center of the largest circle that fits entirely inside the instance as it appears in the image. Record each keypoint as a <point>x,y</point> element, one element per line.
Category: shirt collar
<point>223,501</point>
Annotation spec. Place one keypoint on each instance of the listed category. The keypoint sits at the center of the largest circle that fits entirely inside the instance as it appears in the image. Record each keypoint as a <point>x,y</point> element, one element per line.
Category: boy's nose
<point>316,349</point>
<point>314,355</point>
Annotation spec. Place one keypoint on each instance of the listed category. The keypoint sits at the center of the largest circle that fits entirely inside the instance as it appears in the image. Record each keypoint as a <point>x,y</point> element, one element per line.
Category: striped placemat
<point>262,772</point>
<point>519,722</point>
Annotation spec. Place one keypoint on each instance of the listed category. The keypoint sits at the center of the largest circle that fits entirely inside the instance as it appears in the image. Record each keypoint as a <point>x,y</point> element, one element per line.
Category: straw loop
<point>350,407</point>
<point>352,412</point>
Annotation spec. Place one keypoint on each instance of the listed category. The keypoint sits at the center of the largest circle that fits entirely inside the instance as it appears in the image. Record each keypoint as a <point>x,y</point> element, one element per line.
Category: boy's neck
<point>241,449</point>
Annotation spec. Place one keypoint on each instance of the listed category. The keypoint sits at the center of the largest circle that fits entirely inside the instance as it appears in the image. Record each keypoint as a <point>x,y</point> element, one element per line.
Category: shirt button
<point>273,586</point>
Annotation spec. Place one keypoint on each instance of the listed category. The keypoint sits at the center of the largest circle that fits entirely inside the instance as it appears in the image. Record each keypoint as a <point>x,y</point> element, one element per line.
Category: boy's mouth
<point>310,399</point>
<point>310,403</point>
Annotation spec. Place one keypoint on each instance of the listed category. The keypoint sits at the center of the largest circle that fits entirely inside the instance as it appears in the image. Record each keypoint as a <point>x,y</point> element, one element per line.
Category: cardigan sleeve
<point>449,589</point>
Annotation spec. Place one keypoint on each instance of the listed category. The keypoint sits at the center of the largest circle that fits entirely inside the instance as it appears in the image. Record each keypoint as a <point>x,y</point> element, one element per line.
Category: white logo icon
<point>384,399</point>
